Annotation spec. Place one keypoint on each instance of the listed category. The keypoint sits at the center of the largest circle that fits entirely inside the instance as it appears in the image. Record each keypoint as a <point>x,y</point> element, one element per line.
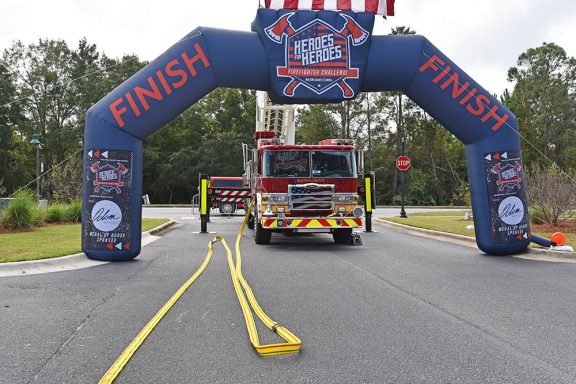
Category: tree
<point>43,74</point>
<point>315,123</point>
<point>544,100</point>
<point>14,162</point>
<point>64,182</point>
<point>206,138</point>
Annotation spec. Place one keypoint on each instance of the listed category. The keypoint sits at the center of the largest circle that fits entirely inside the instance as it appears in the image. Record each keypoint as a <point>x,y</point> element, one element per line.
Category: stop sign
<point>403,163</point>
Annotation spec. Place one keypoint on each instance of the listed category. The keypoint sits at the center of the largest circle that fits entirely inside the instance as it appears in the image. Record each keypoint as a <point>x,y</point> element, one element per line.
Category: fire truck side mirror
<point>247,172</point>
<point>360,162</point>
<point>255,162</point>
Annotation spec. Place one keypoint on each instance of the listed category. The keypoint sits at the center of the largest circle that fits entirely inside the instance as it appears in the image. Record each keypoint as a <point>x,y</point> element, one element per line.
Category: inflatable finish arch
<point>301,56</point>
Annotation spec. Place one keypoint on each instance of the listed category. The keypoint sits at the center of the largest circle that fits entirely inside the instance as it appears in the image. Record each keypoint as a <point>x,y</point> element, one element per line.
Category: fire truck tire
<point>251,222</point>
<point>227,208</point>
<point>342,236</point>
<point>261,235</point>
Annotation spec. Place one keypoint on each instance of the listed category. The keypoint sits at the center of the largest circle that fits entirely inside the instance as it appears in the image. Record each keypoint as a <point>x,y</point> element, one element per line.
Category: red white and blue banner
<point>379,7</point>
<point>314,55</point>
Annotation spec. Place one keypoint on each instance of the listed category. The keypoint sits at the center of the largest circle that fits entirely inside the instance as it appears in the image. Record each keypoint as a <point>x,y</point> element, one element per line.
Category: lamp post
<point>36,141</point>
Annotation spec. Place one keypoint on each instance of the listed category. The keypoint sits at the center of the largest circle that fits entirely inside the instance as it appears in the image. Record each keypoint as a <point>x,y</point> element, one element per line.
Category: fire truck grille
<point>311,197</point>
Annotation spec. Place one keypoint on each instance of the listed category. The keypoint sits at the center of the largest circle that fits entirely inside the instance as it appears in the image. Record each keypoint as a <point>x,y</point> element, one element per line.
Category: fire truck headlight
<point>268,211</point>
<point>358,212</point>
<point>346,198</point>
<point>279,198</point>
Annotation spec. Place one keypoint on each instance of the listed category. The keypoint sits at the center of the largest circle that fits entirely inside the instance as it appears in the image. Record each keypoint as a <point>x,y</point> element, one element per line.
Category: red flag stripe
<point>380,7</point>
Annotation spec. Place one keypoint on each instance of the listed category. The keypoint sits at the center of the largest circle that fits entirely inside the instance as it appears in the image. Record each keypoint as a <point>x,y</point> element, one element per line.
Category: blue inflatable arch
<point>208,58</point>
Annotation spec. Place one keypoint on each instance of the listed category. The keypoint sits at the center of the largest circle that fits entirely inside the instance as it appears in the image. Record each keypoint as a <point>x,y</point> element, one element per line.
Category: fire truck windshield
<point>297,164</point>
<point>333,164</point>
<point>286,164</point>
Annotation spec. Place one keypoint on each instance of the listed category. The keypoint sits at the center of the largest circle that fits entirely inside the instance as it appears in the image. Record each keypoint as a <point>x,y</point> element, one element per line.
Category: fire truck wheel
<point>251,222</point>
<point>342,236</point>
<point>261,235</point>
<point>227,208</point>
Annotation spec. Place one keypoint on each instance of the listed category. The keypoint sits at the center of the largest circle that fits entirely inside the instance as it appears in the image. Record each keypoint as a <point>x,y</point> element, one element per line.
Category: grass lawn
<point>50,241</point>
<point>458,225</point>
<point>458,212</point>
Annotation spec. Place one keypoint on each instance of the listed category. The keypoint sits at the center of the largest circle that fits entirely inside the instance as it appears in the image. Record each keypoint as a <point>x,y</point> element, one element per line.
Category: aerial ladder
<point>277,118</point>
<point>270,117</point>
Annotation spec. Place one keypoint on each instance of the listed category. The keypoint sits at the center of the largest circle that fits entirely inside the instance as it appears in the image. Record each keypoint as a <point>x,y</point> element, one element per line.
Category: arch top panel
<point>413,65</point>
<point>204,59</point>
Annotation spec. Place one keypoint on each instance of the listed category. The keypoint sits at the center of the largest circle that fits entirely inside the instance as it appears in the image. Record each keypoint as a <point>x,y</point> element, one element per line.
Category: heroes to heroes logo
<point>317,55</point>
<point>108,178</point>
<point>508,176</point>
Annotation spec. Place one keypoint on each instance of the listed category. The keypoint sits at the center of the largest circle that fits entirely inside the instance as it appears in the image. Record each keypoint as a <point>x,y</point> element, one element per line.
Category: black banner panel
<point>109,178</point>
<point>507,196</point>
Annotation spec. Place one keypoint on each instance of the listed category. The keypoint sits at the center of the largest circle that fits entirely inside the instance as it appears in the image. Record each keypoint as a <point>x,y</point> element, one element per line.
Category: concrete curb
<point>160,228</point>
<point>64,263</point>
<point>469,239</point>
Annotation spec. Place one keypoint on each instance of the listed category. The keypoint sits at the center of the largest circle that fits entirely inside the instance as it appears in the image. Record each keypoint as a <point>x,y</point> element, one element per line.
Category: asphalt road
<point>398,309</point>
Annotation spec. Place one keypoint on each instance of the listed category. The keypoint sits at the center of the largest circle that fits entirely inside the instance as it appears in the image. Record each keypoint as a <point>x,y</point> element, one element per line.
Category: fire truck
<point>227,193</point>
<point>297,187</point>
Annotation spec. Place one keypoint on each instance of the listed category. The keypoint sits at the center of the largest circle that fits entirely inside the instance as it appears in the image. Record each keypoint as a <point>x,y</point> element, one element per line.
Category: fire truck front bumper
<point>311,223</point>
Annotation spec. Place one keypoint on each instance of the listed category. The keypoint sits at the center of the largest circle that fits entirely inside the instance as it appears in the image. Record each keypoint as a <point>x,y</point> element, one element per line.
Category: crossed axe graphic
<point>351,30</point>
<point>509,182</point>
<point>116,184</point>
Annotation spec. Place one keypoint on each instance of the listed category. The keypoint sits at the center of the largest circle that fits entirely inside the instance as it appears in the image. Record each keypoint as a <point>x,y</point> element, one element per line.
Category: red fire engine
<point>311,188</point>
<point>227,193</point>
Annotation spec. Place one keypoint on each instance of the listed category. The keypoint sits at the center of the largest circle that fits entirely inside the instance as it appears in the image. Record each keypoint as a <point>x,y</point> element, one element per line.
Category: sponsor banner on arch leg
<point>107,212</point>
<point>507,196</point>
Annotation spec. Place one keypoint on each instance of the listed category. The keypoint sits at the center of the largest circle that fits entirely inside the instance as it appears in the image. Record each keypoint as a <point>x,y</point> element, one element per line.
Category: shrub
<point>537,216</point>
<point>74,211</point>
<point>551,194</point>
<point>56,213</point>
<point>22,212</point>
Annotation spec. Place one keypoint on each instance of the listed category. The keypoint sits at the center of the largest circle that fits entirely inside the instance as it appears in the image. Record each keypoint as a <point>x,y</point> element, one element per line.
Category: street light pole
<point>35,141</point>
<point>38,171</point>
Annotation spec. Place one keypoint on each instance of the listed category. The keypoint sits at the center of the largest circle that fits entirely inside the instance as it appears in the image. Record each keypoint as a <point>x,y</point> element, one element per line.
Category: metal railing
<point>195,204</point>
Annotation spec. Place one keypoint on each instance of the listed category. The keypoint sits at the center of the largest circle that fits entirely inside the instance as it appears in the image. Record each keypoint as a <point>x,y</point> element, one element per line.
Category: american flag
<point>317,197</point>
<point>379,7</point>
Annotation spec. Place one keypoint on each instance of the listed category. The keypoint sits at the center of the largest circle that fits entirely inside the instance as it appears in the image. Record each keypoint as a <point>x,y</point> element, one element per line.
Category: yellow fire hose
<point>247,302</point>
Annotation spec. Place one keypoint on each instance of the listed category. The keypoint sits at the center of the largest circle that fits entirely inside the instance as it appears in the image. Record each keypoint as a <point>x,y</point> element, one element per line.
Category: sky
<point>483,37</point>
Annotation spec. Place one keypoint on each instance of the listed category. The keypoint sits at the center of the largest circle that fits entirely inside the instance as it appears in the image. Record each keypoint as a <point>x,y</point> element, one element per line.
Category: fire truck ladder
<point>275,117</point>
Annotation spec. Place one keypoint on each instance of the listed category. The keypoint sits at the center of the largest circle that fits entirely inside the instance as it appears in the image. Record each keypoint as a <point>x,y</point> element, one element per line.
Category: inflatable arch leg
<point>488,129</point>
<point>210,58</point>
<point>115,127</point>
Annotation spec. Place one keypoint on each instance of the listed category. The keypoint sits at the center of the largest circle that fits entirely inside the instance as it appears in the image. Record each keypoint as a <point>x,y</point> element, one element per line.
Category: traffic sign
<point>403,163</point>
